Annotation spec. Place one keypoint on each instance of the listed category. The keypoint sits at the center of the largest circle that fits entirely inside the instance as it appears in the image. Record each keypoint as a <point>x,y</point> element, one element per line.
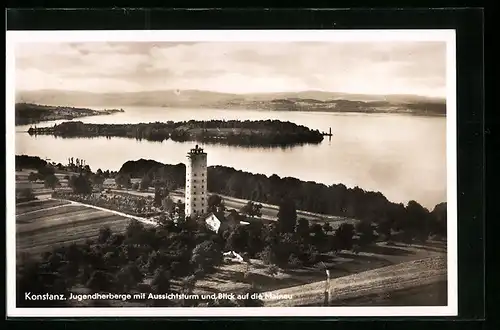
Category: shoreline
<point>231,132</point>
<point>32,114</point>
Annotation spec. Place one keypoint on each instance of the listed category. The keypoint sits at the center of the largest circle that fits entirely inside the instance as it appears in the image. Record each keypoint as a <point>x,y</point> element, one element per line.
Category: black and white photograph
<point>231,173</point>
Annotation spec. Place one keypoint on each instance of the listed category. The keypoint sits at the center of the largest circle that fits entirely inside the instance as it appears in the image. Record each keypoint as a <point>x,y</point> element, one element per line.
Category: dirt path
<point>35,211</point>
<point>143,220</point>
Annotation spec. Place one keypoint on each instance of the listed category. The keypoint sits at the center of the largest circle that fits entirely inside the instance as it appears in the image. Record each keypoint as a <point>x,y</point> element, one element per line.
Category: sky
<point>417,68</point>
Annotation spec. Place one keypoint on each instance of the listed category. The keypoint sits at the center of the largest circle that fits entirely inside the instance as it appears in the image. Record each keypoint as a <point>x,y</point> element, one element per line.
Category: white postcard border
<point>448,36</point>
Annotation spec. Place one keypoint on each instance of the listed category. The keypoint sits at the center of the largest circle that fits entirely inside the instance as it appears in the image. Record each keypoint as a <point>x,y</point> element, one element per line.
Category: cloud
<point>380,68</point>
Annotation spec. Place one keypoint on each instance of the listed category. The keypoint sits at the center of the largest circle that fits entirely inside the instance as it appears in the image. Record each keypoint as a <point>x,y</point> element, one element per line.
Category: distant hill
<point>286,101</point>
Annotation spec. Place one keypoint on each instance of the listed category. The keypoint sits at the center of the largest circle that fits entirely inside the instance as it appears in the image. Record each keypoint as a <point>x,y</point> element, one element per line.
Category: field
<point>378,263</point>
<point>434,294</point>
<point>43,225</point>
<point>37,205</point>
<point>375,282</point>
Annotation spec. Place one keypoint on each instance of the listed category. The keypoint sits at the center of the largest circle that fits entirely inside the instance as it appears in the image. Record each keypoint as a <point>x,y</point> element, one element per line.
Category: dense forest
<point>335,199</point>
<point>233,132</point>
<point>28,113</point>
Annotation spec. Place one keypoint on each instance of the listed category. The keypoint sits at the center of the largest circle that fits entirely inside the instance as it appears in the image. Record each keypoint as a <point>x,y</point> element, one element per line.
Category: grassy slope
<point>382,280</point>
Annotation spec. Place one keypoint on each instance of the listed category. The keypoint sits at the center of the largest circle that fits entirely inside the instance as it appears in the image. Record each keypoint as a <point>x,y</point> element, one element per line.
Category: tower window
<point>194,187</point>
<point>194,198</point>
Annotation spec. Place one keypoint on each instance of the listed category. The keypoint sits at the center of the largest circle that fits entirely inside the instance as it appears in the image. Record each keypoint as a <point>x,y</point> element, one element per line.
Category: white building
<point>196,182</point>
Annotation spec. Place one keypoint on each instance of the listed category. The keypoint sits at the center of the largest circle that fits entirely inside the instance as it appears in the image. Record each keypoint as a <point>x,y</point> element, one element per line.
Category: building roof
<point>225,216</point>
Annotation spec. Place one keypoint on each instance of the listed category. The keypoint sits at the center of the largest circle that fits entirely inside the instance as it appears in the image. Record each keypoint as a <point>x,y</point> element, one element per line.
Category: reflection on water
<point>404,157</point>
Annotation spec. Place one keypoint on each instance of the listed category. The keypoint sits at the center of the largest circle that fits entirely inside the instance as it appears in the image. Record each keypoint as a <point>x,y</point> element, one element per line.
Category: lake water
<point>402,156</point>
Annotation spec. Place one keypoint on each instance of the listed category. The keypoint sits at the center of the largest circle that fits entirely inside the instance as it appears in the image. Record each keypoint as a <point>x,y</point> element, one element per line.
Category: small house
<point>221,221</point>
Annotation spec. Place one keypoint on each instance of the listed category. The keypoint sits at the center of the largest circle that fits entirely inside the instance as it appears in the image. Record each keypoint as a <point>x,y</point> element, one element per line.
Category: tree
<point>205,256</point>
<point>33,277</point>
<point>160,194</point>
<point>384,227</point>
<point>100,281</point>
<point>104,234</point>
<point>255,243</point>
<point>80,184</point>
<point>168,204</point>
<point>287,215</point>
<point>32,177</point>
<point>134,232</point>
<point>51,181</point>
<point>129,276</point>
<point>145,182</point>
<point>140,205</point>
<point>309,254</point>
<point>302,228</point>
<point>189,283</point>
<point>365,229</point>
<point>215,203</point>
<point>123,180</point>
<point>268,255</point>
<point>327,227</point>
<point>344,236</point>
<point>416,224</point>
<point>238,239</point>
<point>98,179</point>
<point>319,238</point>
<point>45,171</point>
<point>439,220</point>
<point>161,281</point>
<point>272,270</point>
<point>26,194</point>
<point>252,209</point>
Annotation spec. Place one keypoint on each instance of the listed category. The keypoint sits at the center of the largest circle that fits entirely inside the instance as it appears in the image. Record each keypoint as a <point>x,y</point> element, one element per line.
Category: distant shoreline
<point>30,113</point>
<point>330,111</point>
<point>308,101</point>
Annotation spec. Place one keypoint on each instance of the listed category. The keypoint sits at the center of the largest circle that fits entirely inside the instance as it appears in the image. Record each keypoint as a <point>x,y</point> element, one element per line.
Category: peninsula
<point>29,113</point>
<point>231,132</point>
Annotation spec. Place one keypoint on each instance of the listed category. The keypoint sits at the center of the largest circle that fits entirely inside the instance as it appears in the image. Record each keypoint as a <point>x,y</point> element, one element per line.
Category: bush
<point>294,261</point>
<point>25,195</point>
